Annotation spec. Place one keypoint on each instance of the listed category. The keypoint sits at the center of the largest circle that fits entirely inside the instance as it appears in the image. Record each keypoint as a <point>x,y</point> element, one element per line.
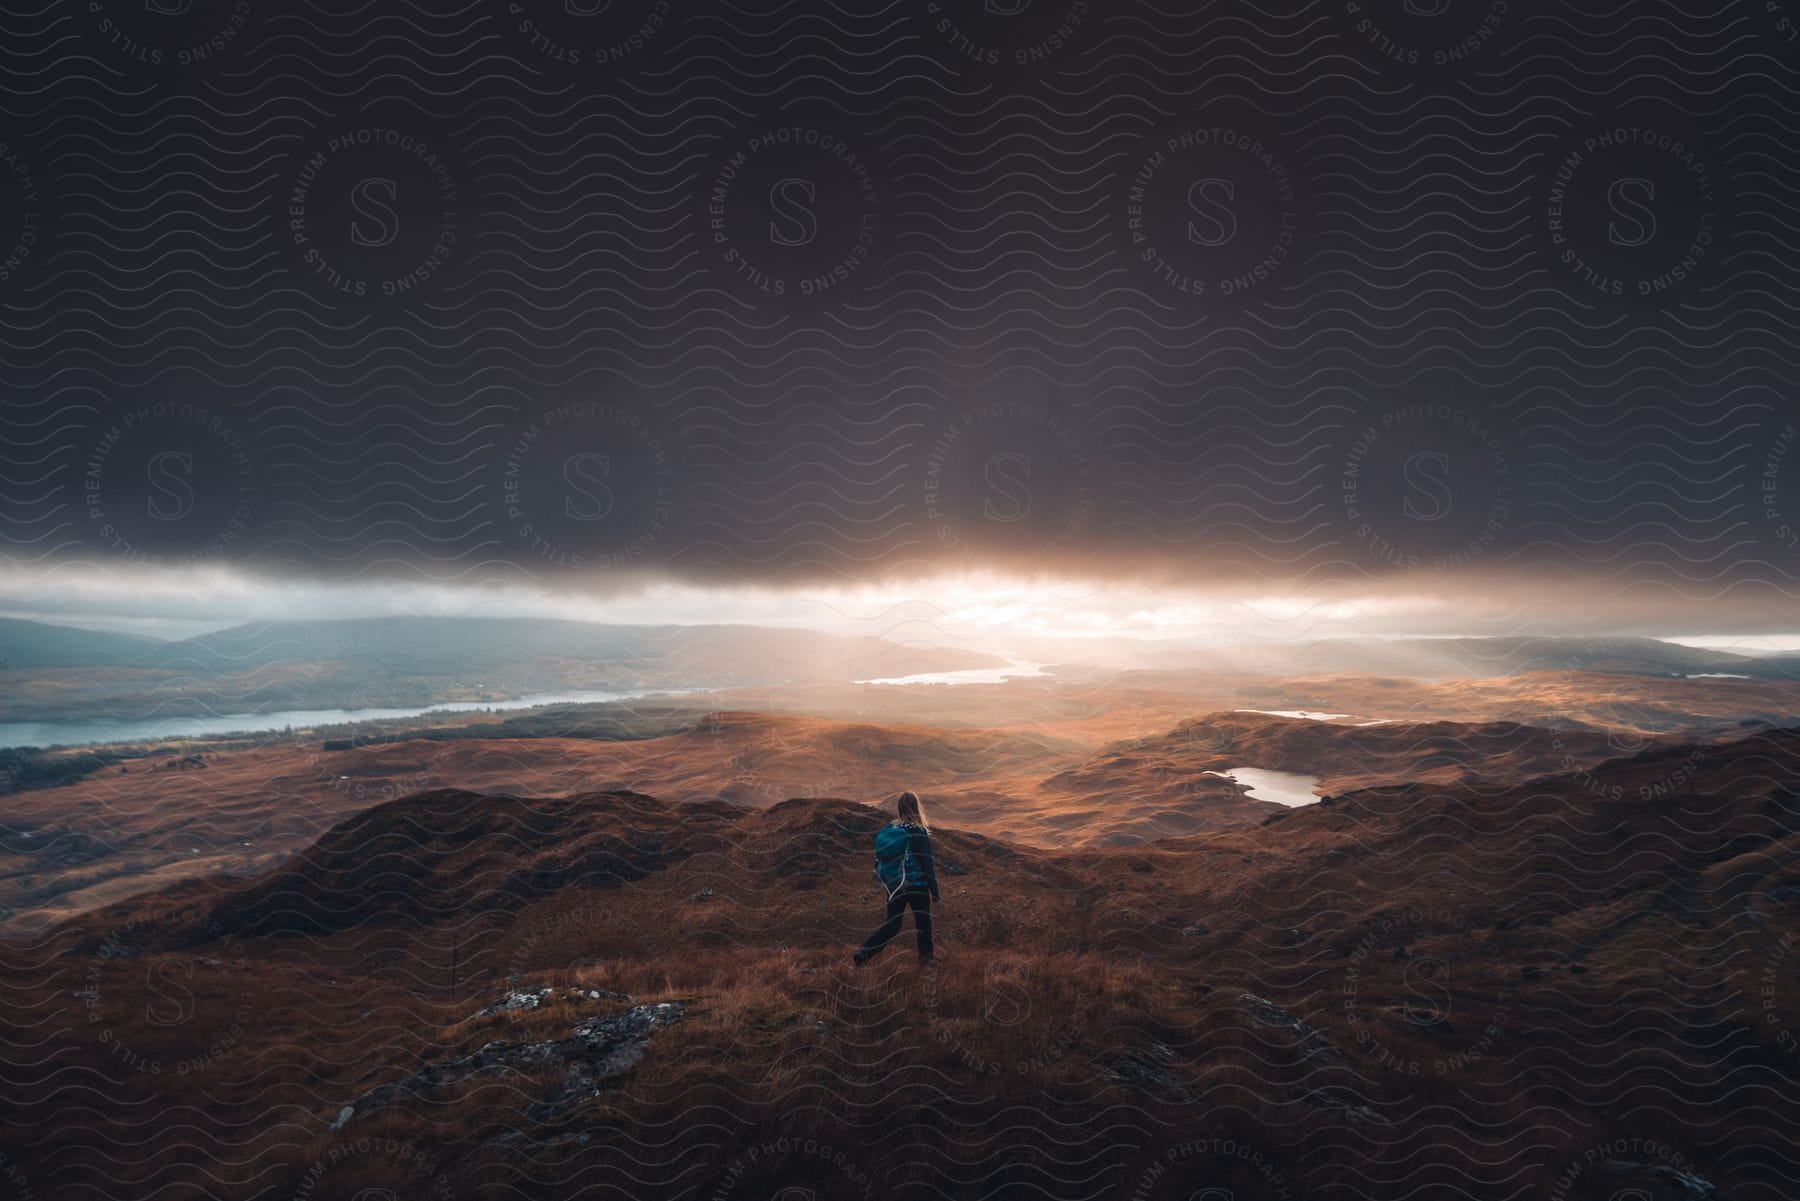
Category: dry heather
<point>1572,987</point>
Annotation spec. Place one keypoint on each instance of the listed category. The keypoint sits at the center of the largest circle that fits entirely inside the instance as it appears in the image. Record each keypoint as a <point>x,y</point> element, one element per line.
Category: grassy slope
<point>1494,982</point>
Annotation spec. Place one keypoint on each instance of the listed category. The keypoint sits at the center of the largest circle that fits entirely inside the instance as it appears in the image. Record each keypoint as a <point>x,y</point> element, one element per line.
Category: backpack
<point>894,858</point>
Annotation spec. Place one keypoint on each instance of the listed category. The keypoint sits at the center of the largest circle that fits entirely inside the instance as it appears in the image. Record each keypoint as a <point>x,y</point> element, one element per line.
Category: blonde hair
<point>911,811</point>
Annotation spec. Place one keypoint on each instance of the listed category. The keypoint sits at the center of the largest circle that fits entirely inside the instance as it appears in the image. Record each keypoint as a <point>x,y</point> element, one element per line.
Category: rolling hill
<point>413,662</point>
<point>461,647</point>
<point>1473,658</point>
<point>25,645</point>
<point>611,993</point>
<point>127,828</point>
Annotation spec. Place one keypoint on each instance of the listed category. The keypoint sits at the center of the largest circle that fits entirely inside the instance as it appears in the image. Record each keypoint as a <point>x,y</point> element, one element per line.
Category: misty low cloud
<point>1032,616</point>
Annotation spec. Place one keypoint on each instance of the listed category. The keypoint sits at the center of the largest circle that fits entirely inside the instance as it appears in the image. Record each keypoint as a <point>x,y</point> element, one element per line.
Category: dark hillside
<point>606,994</point>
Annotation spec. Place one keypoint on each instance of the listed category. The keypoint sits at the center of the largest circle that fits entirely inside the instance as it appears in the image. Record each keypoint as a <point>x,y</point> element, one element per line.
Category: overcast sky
<point>1078,317</point>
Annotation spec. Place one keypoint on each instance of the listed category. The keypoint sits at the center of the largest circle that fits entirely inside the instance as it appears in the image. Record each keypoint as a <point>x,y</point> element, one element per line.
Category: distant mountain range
<point>401,662</point>
<point>1445,658</point>
<point>1510,656</point>
<point>439,645</point>
<point>474,645</point>
<point>28,644</point>
<point>57,672</point>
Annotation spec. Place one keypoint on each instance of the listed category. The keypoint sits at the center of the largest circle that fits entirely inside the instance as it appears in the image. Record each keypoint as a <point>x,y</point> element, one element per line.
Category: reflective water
<point>1283,787</point>
<point>87,731</point>
<point>968,675</point>
<point>1302,714</point>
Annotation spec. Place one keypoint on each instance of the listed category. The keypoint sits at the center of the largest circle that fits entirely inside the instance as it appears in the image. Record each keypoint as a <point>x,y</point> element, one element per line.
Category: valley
<point>551,994</point>
<point>1201,928</point>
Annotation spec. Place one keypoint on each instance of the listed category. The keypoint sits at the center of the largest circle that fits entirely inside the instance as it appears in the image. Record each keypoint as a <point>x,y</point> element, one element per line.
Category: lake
<point>1283,787</point>
<point>91,730</point>
<point>1302,714</point>
<point>968,675</point>
<point>87,731</point>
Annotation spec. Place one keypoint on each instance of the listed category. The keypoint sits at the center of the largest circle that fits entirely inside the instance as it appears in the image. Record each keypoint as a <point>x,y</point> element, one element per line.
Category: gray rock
<point>1666,1181</point>
<point>1347,1104</point>
<point>1313,1042</point>
<point>536,998</point>
<point>514,1000</point>
<point>598,1049</point>
<point>564,1139</point>
<point>1315,1047</point>
<point>1148,1071</point>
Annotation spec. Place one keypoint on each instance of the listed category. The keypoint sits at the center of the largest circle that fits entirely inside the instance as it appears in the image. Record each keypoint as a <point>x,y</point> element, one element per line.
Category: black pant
<point>920,900</point>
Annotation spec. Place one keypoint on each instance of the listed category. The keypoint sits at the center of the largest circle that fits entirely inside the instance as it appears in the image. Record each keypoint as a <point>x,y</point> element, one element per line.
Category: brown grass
<point>1086,1020</point>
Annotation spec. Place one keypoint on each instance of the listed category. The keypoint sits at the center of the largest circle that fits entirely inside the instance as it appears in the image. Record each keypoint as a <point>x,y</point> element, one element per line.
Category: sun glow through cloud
<point>987,611</point>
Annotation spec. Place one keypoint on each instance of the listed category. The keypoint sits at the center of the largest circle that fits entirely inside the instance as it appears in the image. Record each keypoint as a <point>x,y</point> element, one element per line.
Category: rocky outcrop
<point>1311,1041</point>
<point>1315,1048</point>
<point>599,1049</point>
<point>1148,1071</point>
<point>536,998</point>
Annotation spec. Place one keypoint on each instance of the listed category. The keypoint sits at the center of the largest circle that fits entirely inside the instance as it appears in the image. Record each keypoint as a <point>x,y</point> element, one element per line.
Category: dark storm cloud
<point>1279,296</point>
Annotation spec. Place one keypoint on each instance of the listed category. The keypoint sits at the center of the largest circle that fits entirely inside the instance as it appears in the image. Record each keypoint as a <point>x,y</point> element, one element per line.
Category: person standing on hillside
<point>904,866</point>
